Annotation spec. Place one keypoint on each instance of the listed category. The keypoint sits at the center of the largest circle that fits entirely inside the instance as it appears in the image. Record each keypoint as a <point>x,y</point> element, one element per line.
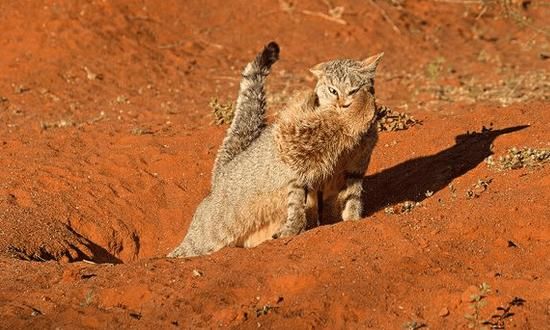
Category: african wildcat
<point>338,82</point>
<point>262,173</point>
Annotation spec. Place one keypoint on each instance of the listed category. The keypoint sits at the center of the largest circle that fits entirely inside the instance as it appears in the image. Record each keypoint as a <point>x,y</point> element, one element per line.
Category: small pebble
<point>444,312</point>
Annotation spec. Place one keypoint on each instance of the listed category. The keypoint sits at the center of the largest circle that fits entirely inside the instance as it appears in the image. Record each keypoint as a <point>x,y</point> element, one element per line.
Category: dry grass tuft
<point>513,89</point>
<point>223,112</point>
<point>478,188</point>
<point>510,9</point>
<point>141,131</point>
<point>519,158</point>
<point>402,208</point>
<point>62,123</point>
<point>389,120</point>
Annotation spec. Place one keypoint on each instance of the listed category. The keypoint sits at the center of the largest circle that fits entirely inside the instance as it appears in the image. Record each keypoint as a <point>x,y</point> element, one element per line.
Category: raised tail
<point>249,119</point>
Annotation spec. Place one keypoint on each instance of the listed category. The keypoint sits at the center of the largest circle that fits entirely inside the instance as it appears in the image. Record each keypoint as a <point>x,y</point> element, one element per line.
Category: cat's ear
<point>370,64</point>
<point>318,69</point>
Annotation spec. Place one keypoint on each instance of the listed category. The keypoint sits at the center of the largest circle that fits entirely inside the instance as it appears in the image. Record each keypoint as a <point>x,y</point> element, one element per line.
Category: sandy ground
<point>107,142</point>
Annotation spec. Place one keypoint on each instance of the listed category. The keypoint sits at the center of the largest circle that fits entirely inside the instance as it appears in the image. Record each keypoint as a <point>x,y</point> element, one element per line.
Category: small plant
<point>88,299</point>
<point>223,112</point>
<point>264,310</point>
<point>141,131</point>
<point>477,189</point>
<point>497,320</point>
<point>434,68</point>
<point>405,207</point>
<point>512,10</point>
<point>389,120</point>
<point>413,325</point>
<point>477,302</point>
<point>20,89</point>
<point>519,158</point>
<point>121,99</point>
<point>62,123</point>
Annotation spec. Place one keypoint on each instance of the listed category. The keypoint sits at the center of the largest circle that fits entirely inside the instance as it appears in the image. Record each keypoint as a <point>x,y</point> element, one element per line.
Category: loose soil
<point>107,141</point>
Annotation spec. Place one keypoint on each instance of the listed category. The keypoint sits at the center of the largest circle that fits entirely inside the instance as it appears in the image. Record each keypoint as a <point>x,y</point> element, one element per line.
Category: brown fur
<point>312,142</point>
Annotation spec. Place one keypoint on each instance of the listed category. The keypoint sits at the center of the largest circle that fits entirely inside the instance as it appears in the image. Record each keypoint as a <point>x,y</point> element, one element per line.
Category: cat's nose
<point>346,105</point>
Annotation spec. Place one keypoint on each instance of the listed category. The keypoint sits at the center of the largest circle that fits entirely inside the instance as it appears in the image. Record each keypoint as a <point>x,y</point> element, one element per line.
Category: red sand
<point>107,145</point>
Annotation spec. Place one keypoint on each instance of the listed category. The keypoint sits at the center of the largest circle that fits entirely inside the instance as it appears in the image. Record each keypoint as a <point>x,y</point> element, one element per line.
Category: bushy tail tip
<point>269,55</point>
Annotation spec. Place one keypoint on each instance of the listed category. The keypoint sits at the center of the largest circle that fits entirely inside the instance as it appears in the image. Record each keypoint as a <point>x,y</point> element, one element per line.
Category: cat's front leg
<point>351,197</point>
<point>296,211</point>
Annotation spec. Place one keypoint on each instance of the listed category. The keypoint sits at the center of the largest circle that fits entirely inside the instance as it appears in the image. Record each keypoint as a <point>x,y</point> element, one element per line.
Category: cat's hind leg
<point>351,197</point>
<point>296,212</point>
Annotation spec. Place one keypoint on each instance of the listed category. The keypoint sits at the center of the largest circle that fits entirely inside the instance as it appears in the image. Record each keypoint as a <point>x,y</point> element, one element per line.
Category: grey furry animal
<point>265,177</point>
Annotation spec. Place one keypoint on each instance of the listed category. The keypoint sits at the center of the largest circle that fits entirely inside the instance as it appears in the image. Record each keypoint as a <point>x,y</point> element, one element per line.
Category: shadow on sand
<point>410,180</point>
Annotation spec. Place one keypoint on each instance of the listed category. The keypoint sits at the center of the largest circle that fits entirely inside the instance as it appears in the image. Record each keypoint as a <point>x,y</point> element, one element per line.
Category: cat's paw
<point>352,212</point>
<point>281,234</point>
<point>287,232</point>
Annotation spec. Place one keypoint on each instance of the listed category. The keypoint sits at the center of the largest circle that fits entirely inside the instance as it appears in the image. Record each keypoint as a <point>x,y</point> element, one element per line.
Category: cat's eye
<point>353,91</point>
<point>332,91</point>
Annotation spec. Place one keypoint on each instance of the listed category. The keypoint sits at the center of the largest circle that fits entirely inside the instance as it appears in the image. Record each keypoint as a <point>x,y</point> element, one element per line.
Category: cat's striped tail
<point>249,119</point>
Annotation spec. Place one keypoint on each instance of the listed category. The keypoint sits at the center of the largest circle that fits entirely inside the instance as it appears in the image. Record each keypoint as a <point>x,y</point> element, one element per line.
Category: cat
<point>264,176</point>
<point>341,197</point>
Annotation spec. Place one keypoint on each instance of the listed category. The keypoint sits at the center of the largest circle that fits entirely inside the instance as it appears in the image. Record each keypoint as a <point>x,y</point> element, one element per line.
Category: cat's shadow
<point>410,180</point>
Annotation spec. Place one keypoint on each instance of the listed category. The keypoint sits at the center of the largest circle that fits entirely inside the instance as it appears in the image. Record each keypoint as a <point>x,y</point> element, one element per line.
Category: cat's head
<point>338,81</point>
